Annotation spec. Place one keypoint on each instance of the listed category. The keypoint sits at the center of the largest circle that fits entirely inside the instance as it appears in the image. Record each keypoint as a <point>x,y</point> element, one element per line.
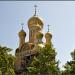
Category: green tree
<point>70,65</point>
<point>6,61</point>
<point>73,55</point>
<point>44,62</point>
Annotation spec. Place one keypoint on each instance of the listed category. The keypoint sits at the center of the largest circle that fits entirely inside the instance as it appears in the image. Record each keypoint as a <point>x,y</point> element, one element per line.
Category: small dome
<point>34,21</point>
<point>39,35</point>
<point>22,33</point>
<point>48,35</point>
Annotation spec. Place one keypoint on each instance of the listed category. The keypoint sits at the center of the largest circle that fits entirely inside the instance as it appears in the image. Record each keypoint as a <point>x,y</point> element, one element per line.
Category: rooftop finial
<point>48,27</point>
<point>22,25</point>
<point>35,9</point>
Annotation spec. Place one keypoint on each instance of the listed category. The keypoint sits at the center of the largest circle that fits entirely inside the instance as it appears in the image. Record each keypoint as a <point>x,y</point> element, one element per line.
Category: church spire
<point>35,10</point>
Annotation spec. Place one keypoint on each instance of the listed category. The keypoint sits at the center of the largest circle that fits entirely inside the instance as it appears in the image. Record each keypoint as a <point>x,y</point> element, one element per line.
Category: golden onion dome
<point>22,33</point>
<point>48,35</point>
<point>34,21</point>
<point>39,35</point>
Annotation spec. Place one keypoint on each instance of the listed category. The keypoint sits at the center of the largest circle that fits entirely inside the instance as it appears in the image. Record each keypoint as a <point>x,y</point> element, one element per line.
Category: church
<point>27,50</point>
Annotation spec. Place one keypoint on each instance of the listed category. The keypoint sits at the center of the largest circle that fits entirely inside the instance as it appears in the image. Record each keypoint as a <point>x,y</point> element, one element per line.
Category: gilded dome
<point>34,21</point>
<point>22,33</point>
<point>48,35</point>
<point>39,35</point>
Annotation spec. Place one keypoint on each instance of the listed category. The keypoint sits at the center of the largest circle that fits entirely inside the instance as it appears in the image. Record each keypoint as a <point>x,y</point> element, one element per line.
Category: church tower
<point>27,50</point>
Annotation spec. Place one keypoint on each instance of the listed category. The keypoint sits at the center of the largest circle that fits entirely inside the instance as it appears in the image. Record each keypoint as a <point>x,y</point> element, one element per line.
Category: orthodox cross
<point>49,27</point>
<point>35,9</point>
<point>22,25</point>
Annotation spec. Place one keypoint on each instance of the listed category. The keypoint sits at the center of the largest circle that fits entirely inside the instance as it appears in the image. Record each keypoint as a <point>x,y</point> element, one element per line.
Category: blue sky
<point>59,14</point>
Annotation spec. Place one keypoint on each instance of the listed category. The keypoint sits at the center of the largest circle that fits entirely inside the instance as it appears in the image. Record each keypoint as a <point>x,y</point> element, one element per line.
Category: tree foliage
<point>73,55</point>
<point>70,65</point>
<point>44,62</point>
<point>6,61</point>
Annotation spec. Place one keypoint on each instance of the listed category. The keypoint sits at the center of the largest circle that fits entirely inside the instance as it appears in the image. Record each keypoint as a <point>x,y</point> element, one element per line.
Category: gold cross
<point>49,27</point>
<point>22,25</point>
<point>35,9</point>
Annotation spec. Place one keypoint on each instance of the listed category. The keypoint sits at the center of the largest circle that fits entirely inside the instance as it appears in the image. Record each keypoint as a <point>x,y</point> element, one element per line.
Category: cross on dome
<point>49,28</point>
<point>22,25</point>
<point>35,10</point>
